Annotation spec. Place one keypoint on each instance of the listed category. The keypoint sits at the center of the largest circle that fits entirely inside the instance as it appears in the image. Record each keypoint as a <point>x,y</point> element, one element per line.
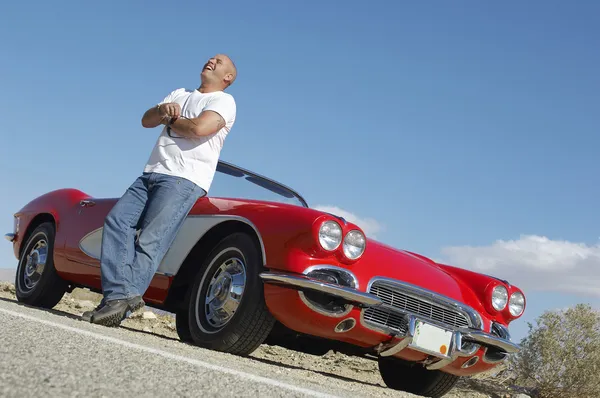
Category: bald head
<point>218,73</point>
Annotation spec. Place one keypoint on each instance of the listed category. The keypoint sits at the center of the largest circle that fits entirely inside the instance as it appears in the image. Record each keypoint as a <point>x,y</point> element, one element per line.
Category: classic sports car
<point>242,272</point>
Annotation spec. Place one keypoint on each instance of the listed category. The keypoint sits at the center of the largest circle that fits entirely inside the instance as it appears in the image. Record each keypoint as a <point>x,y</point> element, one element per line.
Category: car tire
<point>182,325</point>
<point>414,378</point>
<point>36,281</point>
<point>235,261</point>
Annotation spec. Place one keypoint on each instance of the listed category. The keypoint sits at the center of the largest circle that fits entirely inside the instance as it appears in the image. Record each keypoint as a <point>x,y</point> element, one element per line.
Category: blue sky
<point>465,131</point>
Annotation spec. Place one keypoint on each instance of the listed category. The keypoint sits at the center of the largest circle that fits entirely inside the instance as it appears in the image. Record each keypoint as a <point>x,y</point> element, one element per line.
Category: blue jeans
<point>157,204</point>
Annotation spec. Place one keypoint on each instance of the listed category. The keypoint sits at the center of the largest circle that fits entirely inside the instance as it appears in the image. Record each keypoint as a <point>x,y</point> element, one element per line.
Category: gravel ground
<point>95,361</point>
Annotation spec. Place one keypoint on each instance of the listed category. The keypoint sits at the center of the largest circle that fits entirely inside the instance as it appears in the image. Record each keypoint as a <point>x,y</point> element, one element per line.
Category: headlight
<point>516,304</point>
<point>499,298</point>
<point>354,244</point>
<point>330,235</point>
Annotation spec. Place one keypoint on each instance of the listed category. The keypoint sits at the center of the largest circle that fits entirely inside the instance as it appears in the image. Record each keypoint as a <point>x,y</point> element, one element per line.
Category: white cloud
<point>369,226</point>
<point>534,263</point>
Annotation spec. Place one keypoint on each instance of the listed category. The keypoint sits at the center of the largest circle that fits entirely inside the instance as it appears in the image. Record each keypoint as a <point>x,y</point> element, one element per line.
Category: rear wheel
<point>36,280</point>
<point>226,304</point>
<point>414,378</point>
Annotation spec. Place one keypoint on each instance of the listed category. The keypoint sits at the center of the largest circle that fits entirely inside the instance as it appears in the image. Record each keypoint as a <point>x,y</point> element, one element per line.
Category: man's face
<point>218,69</point>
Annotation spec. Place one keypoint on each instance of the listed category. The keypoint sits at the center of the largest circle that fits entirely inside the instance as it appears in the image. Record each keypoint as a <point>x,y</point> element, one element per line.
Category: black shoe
<point>112,312</point>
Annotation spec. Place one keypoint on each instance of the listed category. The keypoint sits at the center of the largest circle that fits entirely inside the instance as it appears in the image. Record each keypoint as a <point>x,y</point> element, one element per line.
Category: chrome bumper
<point>456,349</point>
<point>490,340</point>
<point>476,338</point>
<point>304,282</point>
<point>10,237</point>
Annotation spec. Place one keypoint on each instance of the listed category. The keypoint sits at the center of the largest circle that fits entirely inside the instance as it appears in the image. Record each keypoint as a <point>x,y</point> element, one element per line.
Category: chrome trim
<point>309,304</point>
<point>491,340</point>
<point>335,268</point>
<point>475,320</point>
<point>469,363</point>
<point>503,330</point>
<point>304,282</point>
<point>393,350</point>
<point>10,237</point>
<point>337,327</point>
<point>501,356</point>
<point>378,327</point>
<point>87,203</point>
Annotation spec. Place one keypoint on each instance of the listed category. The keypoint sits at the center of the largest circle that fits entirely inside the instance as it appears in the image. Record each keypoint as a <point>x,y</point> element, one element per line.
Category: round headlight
<point>354,244</point>
<point>516,304</point>
<point>499,298</point>
<point>330,235</point>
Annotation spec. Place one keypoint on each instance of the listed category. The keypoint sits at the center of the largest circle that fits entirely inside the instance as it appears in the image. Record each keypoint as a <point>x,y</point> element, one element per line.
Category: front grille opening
<point>403,302</point>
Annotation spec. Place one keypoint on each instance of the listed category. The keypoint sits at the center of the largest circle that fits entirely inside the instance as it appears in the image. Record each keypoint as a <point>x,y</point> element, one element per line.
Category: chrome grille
<point>382,316</point>
<point>403,301</point>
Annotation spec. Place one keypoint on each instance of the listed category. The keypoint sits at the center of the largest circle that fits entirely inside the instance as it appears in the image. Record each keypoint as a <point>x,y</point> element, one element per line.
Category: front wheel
<point>226,305</point>
<point>36,280</point>
<point>182,325</point>
<point>414,378</point>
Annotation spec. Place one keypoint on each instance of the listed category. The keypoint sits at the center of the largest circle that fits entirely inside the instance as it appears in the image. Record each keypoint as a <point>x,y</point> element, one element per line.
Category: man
<point>180,170</point>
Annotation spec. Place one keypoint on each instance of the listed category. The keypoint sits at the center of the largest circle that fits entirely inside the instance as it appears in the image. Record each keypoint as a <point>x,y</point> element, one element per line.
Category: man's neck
<point>206,88</point>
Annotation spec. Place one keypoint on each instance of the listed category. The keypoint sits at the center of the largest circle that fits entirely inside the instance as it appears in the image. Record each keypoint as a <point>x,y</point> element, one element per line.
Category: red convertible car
<point>259,267</point>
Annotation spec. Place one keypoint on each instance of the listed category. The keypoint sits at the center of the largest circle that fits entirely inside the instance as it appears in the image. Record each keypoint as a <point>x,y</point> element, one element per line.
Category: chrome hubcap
<point>35,262</point>
<point>224,292</point>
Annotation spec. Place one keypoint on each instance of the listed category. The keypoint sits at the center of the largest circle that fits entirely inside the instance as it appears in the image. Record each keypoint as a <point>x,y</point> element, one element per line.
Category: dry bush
<point>561,355</point>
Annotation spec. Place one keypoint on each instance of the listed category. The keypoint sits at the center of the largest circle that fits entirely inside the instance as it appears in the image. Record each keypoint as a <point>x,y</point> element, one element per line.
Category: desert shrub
<point>560,357</point>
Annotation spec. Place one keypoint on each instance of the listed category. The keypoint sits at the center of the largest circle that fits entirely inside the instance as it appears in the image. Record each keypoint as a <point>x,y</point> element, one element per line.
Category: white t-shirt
<point>193,158</point>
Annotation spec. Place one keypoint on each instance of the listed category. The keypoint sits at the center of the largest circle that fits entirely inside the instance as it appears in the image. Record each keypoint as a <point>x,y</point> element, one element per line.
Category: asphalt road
<point>53,353</point>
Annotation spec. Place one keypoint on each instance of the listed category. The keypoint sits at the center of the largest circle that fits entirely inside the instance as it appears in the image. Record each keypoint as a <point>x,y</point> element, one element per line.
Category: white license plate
<point>431,339</point>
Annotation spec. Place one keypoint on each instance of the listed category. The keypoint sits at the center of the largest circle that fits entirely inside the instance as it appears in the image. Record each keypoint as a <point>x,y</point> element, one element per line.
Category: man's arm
<point>152,117</point>
<point>209,122</point>
<point>160,114</point>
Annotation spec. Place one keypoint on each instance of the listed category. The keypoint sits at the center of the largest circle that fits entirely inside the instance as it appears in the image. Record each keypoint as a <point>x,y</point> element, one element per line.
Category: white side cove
<point>193,228</point>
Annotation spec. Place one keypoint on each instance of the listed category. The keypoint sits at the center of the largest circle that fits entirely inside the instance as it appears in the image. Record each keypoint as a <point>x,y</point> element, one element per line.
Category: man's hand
<point>172,109</point>
<point>161,114</point>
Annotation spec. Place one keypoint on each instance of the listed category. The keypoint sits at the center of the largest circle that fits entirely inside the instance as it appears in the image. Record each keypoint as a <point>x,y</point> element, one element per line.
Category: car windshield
<point>235,182</point>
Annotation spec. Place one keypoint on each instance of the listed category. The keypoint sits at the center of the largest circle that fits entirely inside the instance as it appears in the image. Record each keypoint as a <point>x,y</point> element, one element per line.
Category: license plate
<point>431,339</point>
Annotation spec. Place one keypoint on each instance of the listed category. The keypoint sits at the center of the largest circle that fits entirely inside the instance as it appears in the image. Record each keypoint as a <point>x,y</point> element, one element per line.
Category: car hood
<point>379,259</point>
<point>384,261</point>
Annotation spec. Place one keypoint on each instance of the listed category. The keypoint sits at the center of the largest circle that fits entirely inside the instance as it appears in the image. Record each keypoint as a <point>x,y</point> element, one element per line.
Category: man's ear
<point>228,78</point>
